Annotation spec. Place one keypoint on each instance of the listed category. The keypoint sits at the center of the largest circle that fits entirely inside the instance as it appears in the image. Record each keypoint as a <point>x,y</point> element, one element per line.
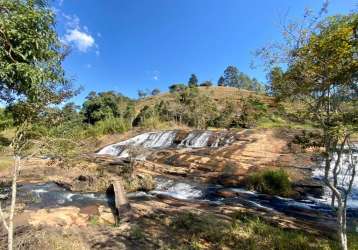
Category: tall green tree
<point>193,81</point>
<point>104,105</point>
<point>276,82</point>
<point>320,55</point>
<point>221,81</point>
<point>231,76</point>
<point>31,74</point>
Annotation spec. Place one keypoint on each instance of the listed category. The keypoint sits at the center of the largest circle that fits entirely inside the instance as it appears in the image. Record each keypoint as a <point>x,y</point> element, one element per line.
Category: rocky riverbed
<point>185,170</point>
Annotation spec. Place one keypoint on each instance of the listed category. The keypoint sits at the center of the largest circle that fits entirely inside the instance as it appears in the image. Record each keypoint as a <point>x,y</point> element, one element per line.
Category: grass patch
<point>51,240</point>
<point>154,122</point>
<point>277,121</point>
<point>109,126</point>
<point>6,162</point>
<point>244,231</point>
<point>273,182</point>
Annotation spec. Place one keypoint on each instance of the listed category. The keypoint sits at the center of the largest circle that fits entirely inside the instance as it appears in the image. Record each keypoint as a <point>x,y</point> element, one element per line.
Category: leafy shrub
<point>274,182</point>
<point>109,126</point>
<point>252,110</point>
<point>309,139</point>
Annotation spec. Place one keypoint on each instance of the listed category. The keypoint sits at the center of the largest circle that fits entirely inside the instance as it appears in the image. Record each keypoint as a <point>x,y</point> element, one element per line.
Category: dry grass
<point>219,94</point>
<point>49,240</point>
<point>5,163</point>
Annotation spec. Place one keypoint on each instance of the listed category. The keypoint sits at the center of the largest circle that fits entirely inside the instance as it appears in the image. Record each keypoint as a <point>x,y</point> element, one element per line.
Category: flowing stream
<point>311,209</point>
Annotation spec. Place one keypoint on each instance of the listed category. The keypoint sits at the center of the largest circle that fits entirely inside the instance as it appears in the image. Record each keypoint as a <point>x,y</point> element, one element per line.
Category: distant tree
<point>193,81</point>
<point>231,76</point>
<point>276,82</point>
<point>70,112</point>
<point>221,81</point>
<point>257,86</point>
<point>142,93</point>
<point>206,84</point>
<point>177,88</point>
<point>155,92</point>
<point>104,105</point>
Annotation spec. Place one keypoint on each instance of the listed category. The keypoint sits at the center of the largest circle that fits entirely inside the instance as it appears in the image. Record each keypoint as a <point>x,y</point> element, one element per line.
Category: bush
<point>273,182</point>
<point>109,126</point>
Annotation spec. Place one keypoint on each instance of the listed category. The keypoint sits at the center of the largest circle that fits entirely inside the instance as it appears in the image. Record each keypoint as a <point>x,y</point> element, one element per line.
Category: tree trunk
<point>341,221</point>
<point>121,201</point>
<point>13,204</point>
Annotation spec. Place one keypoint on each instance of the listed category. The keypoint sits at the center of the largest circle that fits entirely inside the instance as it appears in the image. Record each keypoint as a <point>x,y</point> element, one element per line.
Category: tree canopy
<point>104,105</point>
<point>193,81</point>
<point>31,61</point>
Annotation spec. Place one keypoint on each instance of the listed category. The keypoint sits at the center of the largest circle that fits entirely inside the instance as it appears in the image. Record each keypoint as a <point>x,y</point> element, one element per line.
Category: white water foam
<point>180,190</point>
<point>345,169</point>
<point>164,139</point>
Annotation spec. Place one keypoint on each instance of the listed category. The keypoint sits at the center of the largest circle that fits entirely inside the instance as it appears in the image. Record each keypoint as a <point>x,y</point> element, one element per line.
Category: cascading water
<point>146,140</point>
<point>348,162</point>
<point>165,139</point>
<point>196,139</point>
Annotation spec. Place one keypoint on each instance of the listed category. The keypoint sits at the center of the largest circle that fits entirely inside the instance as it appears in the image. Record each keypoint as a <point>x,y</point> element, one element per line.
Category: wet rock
<point>312,188</point>
<point>85,178</point>
<point>4,196</point>
<point>180,136</point>
<point>226,193</point>
<point>230,181</point>
<point>64,185</point>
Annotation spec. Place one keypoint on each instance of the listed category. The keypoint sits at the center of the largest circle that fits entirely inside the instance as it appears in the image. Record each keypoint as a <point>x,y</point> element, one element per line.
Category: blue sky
<point>126,45</point>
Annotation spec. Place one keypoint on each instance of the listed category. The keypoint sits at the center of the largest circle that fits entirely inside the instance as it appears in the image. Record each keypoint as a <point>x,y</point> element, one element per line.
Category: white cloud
<point>81,40</point>
<point>78,36</point>
<point>71,21</point>
<point>88,65</point>
<point>60,2</point>
<point>153,74</point>
<point>99,34</point>
<point>156,75</point>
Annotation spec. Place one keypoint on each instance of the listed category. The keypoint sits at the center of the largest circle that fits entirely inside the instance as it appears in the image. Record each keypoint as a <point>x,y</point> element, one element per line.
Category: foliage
<point>251,110</point>
<point>228,115</point>
<point>193,81</point>
<point>273,182</point>
<point>206,84</point>
<point>320,57</point>
<point>109,126</point>
<point>221,81</point>
<point>104,105</point>
<point>276,82</point>
<point>177,88</point>
<point>142,93</point>
<point>234,78</point>
<point>30,61</point>
<point>6,120</point>
<point>155,92</point>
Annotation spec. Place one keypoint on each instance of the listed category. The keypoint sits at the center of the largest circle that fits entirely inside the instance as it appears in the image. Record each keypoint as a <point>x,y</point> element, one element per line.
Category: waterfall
<point>196,139</point>
<point>345,169</point>
<point>163,140</point>
<point>146,140</point>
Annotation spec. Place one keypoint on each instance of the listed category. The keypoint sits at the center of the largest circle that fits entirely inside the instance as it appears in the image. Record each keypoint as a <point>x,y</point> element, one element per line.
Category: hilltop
<point>218,93</point>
